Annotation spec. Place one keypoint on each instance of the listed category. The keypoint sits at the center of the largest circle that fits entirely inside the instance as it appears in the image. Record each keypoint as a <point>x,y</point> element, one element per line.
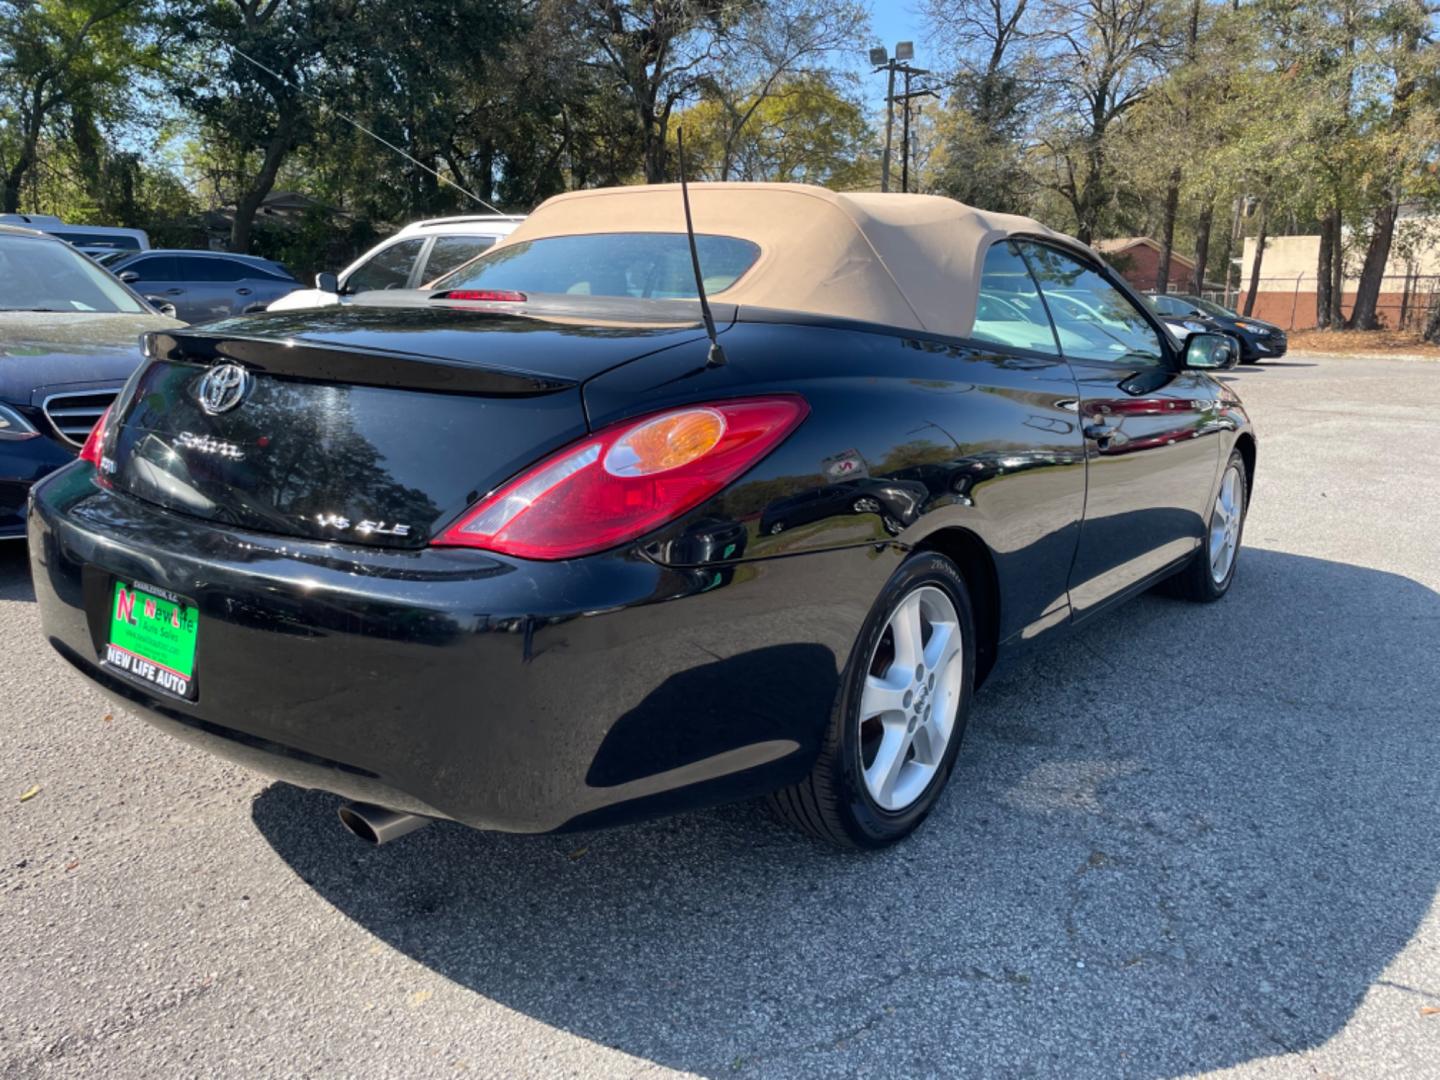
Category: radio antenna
<point>716,357</point>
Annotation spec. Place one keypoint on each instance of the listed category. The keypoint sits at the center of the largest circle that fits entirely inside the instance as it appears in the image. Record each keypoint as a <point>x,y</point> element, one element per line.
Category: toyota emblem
<point>222,388</point>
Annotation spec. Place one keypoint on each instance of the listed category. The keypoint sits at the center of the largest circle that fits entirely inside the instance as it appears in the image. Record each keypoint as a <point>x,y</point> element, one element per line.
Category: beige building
<point>1286,292</point>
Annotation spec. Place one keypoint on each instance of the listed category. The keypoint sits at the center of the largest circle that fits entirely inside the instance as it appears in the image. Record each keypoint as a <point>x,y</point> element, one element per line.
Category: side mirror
<point>325,281</point>
<point>129,276</point>
<point>1210,352</point>
<point>163,306</point>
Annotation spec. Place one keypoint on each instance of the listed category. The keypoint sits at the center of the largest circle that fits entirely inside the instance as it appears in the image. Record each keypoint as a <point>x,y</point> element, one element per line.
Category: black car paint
<point>698,664</point>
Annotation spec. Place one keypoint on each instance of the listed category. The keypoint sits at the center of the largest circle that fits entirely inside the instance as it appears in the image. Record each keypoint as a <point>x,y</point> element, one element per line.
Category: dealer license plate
<point>152,637</point>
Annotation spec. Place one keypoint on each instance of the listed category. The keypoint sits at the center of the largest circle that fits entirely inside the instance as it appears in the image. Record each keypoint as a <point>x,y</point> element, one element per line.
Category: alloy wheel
<point>1225,526</point>
<point>911,693</point>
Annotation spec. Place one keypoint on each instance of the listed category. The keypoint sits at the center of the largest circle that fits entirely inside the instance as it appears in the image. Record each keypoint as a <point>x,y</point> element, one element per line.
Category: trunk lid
<point>370,426</point>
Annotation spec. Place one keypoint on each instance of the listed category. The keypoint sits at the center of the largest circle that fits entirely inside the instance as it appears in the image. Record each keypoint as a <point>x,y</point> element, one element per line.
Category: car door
<point>392,267</point>
<point>204,288</point>
<point>154,275</point>
<point>1150,430</point>
<point>251,285</point>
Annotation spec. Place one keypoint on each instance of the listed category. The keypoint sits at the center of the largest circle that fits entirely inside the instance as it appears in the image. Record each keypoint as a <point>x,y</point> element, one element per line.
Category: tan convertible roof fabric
<point>904,260</point>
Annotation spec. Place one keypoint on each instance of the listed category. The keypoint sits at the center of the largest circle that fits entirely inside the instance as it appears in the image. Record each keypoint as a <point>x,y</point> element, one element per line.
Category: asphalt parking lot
<point>1185,840</point>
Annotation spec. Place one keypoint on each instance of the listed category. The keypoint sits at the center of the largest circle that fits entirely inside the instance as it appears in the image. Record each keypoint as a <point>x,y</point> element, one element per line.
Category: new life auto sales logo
<point>222,388</point>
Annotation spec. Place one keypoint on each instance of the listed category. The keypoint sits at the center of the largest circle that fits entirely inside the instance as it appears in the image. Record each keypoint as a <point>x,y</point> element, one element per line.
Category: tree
<point>775,48</point>
<point>1102,57</point>
<point>992,95</point>
<point>56,56</point>
<point>660,53</point>
<point>804,129</point>
<point>1404,133</point>
<point>255,69</point>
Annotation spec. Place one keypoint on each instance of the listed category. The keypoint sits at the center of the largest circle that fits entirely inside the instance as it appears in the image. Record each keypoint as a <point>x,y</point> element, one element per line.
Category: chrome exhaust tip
<point>376,825</point>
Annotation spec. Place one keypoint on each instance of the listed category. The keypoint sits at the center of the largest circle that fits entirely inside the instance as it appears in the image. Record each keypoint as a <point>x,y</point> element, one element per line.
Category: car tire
<point>851,798</point>
<point>1200,581</point>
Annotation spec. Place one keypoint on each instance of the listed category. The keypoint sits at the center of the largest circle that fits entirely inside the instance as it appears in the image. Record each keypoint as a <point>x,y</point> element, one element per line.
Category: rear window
<point>652,266</point>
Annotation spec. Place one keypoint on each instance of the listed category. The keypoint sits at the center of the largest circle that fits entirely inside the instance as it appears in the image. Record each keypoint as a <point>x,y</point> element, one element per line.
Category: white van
<point>418,253</point>
<point>93,240</point>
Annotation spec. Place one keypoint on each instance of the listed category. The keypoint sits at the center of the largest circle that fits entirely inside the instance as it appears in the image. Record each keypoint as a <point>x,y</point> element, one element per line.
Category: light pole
<point>904,51</point>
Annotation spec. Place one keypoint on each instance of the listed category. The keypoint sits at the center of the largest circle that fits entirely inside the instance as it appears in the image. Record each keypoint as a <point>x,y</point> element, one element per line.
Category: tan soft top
<point>904,260</point>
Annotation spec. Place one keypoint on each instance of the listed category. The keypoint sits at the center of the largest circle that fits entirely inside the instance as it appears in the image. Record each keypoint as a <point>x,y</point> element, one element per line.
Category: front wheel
<point>1208,575</point>
<point>896,728</point>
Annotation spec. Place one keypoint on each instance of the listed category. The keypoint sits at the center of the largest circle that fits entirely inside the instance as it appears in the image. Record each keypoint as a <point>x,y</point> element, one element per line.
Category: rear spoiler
<point>355,366</point>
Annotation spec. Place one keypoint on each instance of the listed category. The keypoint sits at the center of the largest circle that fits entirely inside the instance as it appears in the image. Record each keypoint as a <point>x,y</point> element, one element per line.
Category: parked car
<point>93,240</point>
<point>475,552</point>
<point>420,252</point>
<point>205,284</point>
<point>1258,340</point>
<point>69,338</point>
<point>1181,320</point>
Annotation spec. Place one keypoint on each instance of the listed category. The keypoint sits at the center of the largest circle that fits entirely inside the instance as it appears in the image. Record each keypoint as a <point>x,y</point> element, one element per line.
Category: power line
<point>361,127</point>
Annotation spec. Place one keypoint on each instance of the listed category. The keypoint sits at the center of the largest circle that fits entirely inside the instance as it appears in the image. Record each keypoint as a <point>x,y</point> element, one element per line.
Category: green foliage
<point>805,130</point>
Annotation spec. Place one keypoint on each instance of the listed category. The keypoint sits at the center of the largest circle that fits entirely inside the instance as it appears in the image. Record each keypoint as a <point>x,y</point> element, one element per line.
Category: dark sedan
<point>206,284</point>
<point>504,552</point>
<point>1258,340</point>
<point>69,338</point>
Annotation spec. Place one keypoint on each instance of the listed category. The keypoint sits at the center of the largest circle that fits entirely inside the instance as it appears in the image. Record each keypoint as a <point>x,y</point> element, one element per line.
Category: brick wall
<point>1139,264</point>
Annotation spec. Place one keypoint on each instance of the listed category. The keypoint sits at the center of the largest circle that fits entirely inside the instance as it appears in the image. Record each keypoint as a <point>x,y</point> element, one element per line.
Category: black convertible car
<point>505,551</point>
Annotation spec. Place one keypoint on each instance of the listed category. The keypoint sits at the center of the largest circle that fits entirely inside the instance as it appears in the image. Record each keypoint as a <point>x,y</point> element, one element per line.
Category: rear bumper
<point>503,694</point>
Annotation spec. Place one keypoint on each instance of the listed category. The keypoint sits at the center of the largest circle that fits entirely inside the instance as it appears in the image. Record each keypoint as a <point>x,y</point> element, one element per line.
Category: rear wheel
<point>1208,576</point>
<point>896,729</point>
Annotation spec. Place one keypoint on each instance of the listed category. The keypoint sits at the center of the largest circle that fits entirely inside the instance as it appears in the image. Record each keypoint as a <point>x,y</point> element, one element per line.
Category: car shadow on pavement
<point>15,581</point>
<point>1185,838</point>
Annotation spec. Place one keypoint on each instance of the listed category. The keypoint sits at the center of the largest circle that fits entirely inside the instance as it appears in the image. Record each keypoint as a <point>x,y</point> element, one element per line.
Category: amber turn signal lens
<point>667,442</point>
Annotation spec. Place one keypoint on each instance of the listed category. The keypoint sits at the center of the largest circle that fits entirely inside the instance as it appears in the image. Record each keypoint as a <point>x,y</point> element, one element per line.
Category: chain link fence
<point>1405,300</point>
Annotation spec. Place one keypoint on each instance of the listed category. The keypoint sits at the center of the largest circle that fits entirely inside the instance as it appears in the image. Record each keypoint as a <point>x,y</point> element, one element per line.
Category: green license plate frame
<point>152,637</point>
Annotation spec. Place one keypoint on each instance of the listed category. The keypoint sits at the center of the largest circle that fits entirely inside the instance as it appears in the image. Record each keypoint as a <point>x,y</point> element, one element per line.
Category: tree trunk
<point>15,178</point>
<point>249,204</point>
<point>1260,239</point>
<point>1432,325</point>
<point>1202,244</point>
<point>1372,274</point>
<point>1167,232</point>
<point>1324,271</point>
<point>1337,271</point>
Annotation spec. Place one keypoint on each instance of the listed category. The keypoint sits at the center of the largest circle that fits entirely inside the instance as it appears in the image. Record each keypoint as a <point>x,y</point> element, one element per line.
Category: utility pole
<point>889,127</point>
<point>905,139</point>
<point>904,50</point>
<point>907,97</point>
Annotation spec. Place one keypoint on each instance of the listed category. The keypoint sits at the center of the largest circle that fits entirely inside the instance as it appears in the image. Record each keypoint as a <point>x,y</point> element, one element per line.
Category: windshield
<point>638,265</point>
<point>39,274</point>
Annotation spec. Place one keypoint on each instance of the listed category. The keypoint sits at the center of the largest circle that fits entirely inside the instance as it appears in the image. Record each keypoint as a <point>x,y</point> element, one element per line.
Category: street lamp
<point>904,52</point>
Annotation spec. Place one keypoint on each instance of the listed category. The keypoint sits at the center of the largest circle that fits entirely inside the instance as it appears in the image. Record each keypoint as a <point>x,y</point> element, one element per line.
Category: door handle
<point>1101,431</point>
<point>174,292</point>
<point>243,291</point>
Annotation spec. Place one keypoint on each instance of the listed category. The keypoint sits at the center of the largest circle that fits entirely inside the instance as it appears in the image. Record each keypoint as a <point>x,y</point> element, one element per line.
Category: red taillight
<point>91,450</point>
<point>625,480</point>
<point>502,295</point>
